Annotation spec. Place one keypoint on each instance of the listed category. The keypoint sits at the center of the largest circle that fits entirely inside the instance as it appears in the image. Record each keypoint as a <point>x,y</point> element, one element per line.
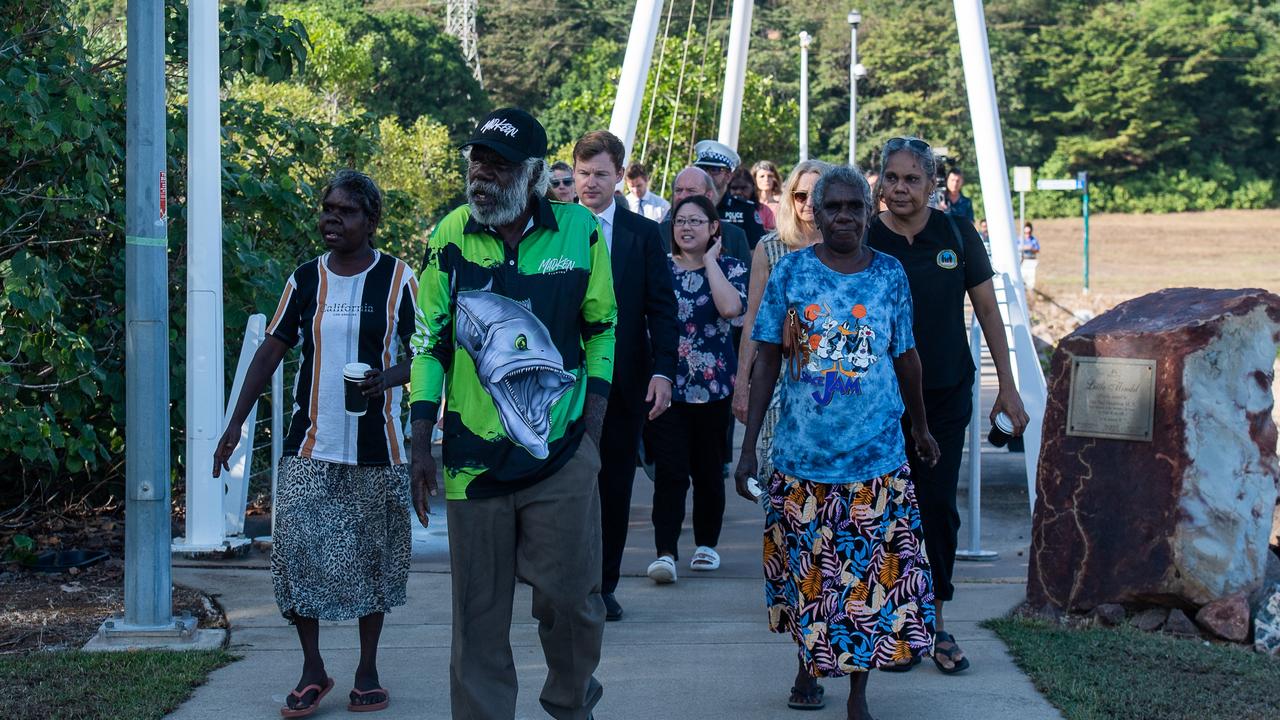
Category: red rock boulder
<point>1184,518</point>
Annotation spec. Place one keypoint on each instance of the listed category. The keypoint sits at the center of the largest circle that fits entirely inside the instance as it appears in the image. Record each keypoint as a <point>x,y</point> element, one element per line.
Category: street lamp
<point>856,70</point>
<point>804,95</point>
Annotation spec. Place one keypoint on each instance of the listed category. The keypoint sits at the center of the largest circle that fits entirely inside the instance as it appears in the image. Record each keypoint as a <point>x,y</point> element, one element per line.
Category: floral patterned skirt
<point>846,573</point>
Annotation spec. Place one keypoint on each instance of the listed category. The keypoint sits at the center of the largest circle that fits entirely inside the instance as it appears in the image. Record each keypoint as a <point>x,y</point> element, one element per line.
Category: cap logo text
<point>500,125</point>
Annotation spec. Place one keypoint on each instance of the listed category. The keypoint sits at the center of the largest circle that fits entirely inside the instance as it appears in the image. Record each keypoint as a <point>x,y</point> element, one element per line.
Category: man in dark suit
<point>696,181</point>
<point>645,340</point>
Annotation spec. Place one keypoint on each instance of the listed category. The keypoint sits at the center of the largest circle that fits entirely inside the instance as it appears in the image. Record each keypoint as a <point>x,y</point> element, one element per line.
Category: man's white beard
<point>509,202</point>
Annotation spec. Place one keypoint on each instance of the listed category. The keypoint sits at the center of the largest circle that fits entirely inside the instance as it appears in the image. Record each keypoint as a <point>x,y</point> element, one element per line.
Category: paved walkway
<point>696,649</point>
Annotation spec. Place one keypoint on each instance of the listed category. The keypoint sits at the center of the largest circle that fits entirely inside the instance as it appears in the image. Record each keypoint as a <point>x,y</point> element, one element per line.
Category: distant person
<point>797,230</point>
<point>954,202</point>
<point>1029,248</point>
<point>561,187</point>
<point>945,263</point>
<point>341,540</point>
<point>644,364</point>
<point>743,185</point>
<point>643,201</point>
<point>768,185</point>
<point>688,440</point>
<point>516,309</point>
<point>873,180</point>
<point>985,235</point>
<point>719,161</point>
<point>696,181</point>
<point>845,573</point>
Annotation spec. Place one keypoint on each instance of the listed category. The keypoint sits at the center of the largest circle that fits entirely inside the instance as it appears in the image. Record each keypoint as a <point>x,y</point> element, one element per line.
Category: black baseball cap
<point>512,133</point>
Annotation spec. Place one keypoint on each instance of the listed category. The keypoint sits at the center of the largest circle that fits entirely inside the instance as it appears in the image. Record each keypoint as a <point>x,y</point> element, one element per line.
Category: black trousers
<point>687,443</point>
<point>948,411</point>
<point>618,444</point>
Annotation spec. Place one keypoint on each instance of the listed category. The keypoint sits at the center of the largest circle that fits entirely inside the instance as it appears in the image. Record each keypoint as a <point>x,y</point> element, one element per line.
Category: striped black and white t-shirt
<point>335,320</point>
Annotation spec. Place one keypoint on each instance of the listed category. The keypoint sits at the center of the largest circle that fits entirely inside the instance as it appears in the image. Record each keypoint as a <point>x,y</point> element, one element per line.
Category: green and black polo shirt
<point>522,336</point>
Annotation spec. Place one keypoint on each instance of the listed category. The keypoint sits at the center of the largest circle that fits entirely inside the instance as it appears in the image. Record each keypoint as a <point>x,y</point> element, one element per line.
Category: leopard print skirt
<point>341,543</point>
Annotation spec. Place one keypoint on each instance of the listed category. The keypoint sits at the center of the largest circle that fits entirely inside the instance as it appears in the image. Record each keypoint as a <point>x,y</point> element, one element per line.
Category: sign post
<point>1081,182</point>
<point>1082,178</point>
<point>1021,184</point>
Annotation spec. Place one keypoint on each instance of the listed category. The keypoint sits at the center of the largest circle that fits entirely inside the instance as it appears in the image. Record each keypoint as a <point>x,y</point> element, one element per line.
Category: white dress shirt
<point>606,222</point>
<point>651,206</point>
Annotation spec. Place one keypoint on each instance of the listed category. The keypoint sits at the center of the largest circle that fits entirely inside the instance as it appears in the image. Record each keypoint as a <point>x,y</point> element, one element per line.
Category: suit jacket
<point>733,238</point>
<point>646,333</point>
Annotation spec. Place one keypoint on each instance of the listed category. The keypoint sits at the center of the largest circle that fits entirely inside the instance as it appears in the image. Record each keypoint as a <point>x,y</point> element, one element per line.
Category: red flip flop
<point>289,712</point>
<point>370,707</point>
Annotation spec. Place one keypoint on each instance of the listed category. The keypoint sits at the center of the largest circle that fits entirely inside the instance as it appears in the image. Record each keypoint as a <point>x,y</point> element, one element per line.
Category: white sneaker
<point>705,558</point>
<point>662,570</point>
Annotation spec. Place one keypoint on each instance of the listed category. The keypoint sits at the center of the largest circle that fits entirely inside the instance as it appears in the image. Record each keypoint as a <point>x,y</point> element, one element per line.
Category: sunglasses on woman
<point>800,196</point>
<point>913,143</point>
<point>563,182</point>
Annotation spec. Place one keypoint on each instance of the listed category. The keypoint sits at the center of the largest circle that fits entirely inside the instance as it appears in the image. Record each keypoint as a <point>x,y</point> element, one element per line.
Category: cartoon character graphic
<point>841,351</point>
<point>517,363</point>
<point>861,358</point>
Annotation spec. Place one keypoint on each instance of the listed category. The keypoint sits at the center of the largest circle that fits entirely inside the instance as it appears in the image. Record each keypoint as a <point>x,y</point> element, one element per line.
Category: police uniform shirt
<point>743,213</point>
<point>940,272</point>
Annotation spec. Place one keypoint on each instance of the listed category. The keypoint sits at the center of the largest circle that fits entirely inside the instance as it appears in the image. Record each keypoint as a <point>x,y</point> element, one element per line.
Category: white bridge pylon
<point>988,141</point>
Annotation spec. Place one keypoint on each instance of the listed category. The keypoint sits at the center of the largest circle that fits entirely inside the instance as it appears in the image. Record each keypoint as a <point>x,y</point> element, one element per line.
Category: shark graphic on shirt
<point>517,364</point>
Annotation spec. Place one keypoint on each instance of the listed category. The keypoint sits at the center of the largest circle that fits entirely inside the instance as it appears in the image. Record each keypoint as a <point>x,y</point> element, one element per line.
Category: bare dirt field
<point>1131,255</point>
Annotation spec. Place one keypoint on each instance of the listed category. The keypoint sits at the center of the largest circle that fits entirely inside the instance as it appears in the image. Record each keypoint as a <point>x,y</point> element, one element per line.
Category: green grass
<point>1126,674</point>
<point>73,684</point>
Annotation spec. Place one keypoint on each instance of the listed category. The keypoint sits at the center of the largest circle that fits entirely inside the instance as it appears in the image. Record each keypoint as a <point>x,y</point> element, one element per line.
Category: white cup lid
<point>355,369</point>
<point>1004,422</point>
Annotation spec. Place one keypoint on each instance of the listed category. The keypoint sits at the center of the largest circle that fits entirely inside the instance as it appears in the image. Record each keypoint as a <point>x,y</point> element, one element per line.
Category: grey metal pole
<point>854,18</point>
<point>147,590</point>
<point>804,96</point>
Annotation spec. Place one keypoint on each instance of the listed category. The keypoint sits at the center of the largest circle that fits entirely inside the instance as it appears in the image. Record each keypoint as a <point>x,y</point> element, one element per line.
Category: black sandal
<point>810,699</point>
<point>956,665</point>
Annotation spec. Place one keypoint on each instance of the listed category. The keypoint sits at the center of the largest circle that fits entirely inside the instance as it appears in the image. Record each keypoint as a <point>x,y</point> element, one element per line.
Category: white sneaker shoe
<point>662,570</point>
<point>705,558</point>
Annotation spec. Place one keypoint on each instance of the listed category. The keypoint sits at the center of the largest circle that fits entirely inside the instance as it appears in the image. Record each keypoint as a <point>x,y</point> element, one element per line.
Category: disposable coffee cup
<point>352,375</point>
<point>1001,430</point>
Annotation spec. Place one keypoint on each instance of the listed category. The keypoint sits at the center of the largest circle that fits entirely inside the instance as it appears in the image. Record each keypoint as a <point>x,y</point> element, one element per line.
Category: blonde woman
<point>797,230</point>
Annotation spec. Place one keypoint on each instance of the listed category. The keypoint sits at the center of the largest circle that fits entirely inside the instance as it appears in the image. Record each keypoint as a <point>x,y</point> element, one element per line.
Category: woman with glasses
<point>945,261</point>
<point>561,187</point>
<point>769,192</point>
<point>796,231</point>
<point>687,441</point>
<point>844,569</point>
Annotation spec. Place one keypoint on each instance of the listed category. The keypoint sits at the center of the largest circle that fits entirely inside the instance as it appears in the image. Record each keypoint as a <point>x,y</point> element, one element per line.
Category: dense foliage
<point>1168,104</point>
<point>294,109</point>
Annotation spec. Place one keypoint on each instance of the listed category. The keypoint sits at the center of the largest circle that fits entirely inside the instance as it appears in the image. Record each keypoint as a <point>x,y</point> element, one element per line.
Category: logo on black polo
<point>947,260</point>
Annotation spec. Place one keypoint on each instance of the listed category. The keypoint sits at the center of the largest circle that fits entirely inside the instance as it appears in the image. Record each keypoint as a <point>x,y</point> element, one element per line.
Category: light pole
<point>804,95</point>
<point>855,71</point>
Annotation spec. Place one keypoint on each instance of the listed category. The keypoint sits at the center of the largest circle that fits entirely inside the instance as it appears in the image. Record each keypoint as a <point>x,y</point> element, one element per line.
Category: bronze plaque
<point>1111,398</point>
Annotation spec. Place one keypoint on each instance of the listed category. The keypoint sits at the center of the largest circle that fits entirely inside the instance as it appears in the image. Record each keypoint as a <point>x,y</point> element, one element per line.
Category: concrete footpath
<point>697,649</point>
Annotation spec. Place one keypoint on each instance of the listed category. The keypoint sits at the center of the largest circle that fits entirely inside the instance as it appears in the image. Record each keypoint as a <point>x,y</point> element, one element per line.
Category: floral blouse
<point>708,360</point>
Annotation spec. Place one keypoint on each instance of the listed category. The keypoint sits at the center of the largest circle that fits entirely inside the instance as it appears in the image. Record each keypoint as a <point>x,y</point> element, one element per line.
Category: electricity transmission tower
<point>460,22</point>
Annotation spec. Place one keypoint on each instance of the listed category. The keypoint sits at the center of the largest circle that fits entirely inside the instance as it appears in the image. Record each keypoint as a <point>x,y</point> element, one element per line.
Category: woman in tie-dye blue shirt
<point>845,570</point>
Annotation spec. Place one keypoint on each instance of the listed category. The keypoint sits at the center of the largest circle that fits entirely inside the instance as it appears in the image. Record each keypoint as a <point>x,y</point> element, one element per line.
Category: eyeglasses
<point>800,196</point>
<point>690,222</point>
<point>913,143</point>
<point>714,169</point>
<point>563,182</point>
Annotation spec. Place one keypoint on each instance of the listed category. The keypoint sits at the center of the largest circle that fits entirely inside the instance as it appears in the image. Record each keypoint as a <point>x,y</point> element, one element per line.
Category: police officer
<point>719,161</point>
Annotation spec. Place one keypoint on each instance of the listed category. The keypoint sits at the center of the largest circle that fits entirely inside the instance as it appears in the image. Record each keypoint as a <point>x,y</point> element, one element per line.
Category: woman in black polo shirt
<point>944,260</point>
